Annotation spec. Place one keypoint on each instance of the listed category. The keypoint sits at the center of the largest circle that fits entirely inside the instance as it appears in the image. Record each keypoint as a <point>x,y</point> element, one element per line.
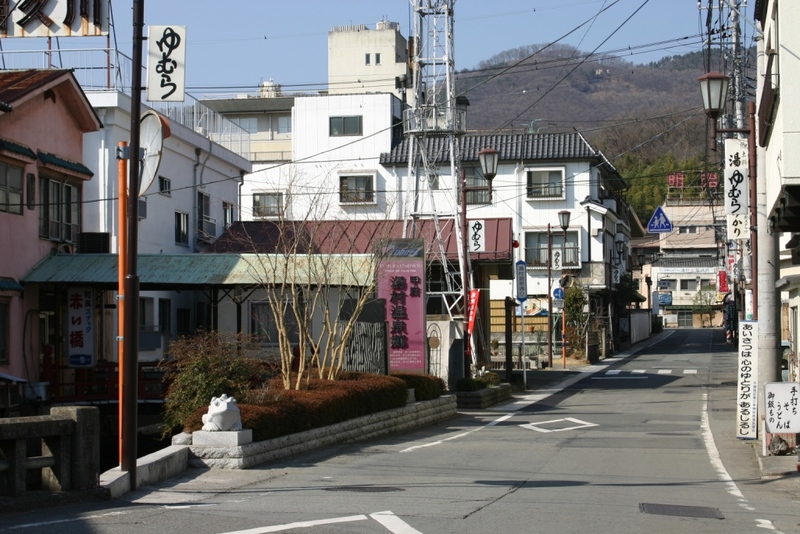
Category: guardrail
<point>64,446</point>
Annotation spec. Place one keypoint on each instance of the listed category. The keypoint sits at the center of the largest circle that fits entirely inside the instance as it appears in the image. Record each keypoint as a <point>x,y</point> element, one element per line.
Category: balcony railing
<point>107,69</point>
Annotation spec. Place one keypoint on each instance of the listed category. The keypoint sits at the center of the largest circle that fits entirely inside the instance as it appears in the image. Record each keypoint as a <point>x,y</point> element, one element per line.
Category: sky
<point>235,45</point>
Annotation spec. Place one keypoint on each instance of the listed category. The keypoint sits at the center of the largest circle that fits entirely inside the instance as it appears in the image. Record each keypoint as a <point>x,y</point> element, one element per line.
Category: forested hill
<point>647,119</point>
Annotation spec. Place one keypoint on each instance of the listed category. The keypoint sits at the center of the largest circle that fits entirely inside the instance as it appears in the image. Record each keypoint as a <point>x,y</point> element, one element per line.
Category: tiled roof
<point>701,261</point>
<point>512,147</point>
<point>18,149</point>
<point>56,161</point>
<point>15,84</point>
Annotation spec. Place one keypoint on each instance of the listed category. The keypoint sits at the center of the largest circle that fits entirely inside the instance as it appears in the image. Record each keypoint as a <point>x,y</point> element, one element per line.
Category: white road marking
<point>617,377</point>
<point>613,372</point>
<point>722,473</point>
<point>690,371</point>
<point>300,524</point>
<point>73,519</point>
<point>439,442</point>
<point>665,371</point>
<point>578,424</point>
<point>393,523</point>
<point>638,371</point>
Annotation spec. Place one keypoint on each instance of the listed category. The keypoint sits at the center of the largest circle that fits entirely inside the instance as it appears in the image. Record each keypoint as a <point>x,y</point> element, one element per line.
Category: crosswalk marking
<point>620,372</point>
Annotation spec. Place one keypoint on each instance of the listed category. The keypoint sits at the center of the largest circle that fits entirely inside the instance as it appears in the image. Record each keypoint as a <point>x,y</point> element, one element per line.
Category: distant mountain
<point>559,89</point>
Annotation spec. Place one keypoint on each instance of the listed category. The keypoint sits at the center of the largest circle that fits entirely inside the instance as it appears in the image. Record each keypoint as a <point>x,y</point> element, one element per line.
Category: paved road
<point>643,443</point>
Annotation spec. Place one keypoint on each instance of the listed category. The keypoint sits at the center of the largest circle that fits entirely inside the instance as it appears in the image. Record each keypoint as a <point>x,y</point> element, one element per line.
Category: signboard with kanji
<point>737,189</point>
<point>747,381</point>
<point>401,281</point>
<point>80,327</point>
<point>783,413</point>
<point>58,18</point>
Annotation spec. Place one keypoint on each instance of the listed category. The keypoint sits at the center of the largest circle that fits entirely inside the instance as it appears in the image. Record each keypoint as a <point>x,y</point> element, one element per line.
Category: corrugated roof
<point>164,271</point>
<point>357,237</point>
<point>9,284</point>
<point>17,149</point>
<point>702,261</point>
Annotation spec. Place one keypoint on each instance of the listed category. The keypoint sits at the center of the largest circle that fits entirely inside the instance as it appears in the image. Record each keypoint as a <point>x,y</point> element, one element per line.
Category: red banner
<point>472,310</point>
<point>722,282</point>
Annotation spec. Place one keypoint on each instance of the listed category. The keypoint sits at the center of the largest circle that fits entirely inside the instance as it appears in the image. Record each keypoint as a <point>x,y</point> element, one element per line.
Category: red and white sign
<point>474,294</point>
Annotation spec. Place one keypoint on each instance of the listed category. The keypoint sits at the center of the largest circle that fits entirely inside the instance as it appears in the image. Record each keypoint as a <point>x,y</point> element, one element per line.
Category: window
<point>181,228</point>
<point>227,215</point>
<point>267,204</point>
<point>356,189</point>
<point>688,285</point>
<point>284,124</point>
<point>668,285</point>
<point>685,319</point>
<point>165,186</point>
<point>536,249</point>
<point>366,59</point>
<point>377,58</point>
<point>342,126</point>
<point>5,321</point>
<point>206,224</point>
<point>59,210</point>
<point>474,179</point>
<point>10,188</point>
<point>142,208</point>
<point>165,316</point>
<point>545,183</point>
<point>248,124</point>
<point>687,230</point>
<point>264,327</point>
<point>184,320</point>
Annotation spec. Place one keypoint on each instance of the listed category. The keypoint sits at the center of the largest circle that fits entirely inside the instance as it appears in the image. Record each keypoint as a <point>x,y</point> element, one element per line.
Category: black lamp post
<point>488,158</point>
<point>714,92</point>
<point>563,220</point>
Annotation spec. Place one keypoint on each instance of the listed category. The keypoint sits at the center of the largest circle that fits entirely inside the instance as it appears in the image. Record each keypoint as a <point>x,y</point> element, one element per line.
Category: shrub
<point>481,382</point>
<point>426,387</point>
<point>203,366</point>
<point>319,403</point>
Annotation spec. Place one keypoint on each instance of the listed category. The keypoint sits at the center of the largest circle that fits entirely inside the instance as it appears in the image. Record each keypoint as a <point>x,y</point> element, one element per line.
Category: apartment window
<point>687,230</point>
<point>356,189</point>
<point>668,285</point>
<point>5,327</point>
<point>248,124</point>
<point>267,204</point>
<point>183,320</point>
<point>181,228</point>
<point>165,186</point>
<point>366,59</point>
<point>545,183</point>
<point>343,126</point>
<point>688,285</point>
<point>474,180</point>
<point>59,210</point>
<point>536,250</point>
<point>264,327</point>
<point>284,124</point>
<point>206,224</point>
<point>10,188</point>
<point>227,215</point>
<point>377,58</point>
<point>165,316</point>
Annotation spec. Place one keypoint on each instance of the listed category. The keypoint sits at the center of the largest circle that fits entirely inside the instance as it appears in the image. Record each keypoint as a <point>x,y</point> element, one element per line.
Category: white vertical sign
<point>80,327</point>
<point>737,189</point>
<point>166,64</point>
<point>747,381</point>
<point>782,415</point>
<point>476,236</point>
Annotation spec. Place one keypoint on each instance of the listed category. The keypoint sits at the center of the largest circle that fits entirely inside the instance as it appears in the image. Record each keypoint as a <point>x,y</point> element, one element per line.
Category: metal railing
<point>108,69</point>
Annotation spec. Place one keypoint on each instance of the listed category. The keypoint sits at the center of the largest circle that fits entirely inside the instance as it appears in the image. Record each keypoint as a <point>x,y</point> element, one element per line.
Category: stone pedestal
<point>201,438</point>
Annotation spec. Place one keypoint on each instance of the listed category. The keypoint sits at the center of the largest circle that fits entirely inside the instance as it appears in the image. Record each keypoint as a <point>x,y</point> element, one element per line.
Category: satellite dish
<point>153,129</point>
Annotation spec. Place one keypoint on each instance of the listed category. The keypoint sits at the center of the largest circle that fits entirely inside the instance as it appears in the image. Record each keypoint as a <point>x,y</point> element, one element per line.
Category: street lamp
<point>714,92</point>
<point>488,158</point>
<point>563,220</point>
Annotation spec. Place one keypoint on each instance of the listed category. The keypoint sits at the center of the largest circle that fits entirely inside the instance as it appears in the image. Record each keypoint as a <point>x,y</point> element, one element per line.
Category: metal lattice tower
<point>434,125</point>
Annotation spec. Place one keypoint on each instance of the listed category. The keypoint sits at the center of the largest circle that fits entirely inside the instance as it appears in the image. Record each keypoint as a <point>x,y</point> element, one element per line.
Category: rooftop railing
<point>104,69</point>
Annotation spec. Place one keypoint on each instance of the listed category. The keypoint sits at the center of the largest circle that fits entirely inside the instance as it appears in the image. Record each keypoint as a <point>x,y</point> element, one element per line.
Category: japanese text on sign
<point>747,381</point>
<point>737,189</point>
<point>166,67</point>
<point>80,327</point>
<point>782,412</point>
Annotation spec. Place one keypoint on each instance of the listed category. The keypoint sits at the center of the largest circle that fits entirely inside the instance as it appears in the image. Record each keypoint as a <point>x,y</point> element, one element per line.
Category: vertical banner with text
<point>401,281</point>
<point>80,327</point>
<point>737,189</point>
<point>166,64</point>
<point>747,381</point>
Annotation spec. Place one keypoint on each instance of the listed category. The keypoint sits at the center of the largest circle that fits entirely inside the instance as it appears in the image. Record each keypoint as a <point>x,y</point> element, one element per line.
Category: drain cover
<point>365,489</point>
<point>679,510</point>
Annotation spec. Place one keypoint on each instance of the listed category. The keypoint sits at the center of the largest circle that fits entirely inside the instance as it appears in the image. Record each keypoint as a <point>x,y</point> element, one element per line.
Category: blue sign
<point>665,299</point>
<point>558,293</point>
<point>522,281</point>
<point>659,223</point>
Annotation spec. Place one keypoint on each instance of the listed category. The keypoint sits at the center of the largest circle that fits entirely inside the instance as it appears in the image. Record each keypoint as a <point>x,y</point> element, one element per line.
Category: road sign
<point>522,281</point>
<point>659,223</point>
<point>558,293</point>
<point>558,303</point>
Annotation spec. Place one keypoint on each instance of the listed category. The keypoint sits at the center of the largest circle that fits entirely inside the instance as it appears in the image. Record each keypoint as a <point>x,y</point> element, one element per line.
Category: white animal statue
<point>223,415</point>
